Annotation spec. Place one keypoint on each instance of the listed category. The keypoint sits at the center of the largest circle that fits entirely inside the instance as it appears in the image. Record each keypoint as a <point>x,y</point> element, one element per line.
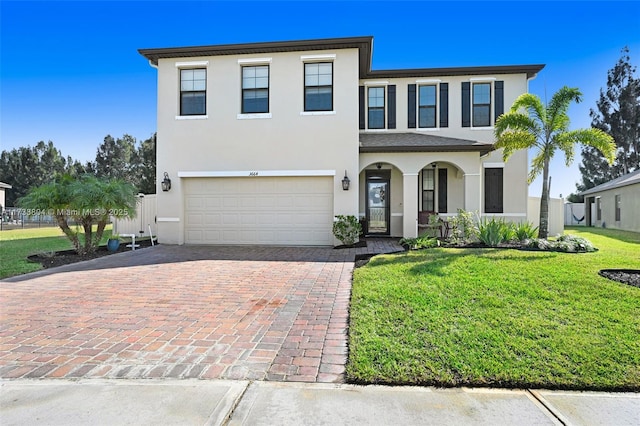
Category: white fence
<point>556,214</point>
<point>574,214</point>
<point>145,216</point>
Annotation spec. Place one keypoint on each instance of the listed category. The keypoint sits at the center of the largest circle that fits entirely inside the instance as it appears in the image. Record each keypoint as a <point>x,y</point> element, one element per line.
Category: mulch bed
<point>625,276</point>
<point>66,257</point>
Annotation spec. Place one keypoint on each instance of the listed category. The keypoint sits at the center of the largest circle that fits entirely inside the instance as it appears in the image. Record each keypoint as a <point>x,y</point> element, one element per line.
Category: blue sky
<point>70,71</point>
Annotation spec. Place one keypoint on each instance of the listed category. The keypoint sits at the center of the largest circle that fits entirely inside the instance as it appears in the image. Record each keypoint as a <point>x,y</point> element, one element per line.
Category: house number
<point>253,173</point>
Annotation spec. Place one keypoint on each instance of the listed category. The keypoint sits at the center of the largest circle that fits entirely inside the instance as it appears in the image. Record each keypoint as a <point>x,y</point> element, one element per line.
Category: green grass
<point>492,317</point>
<point>16,245</point>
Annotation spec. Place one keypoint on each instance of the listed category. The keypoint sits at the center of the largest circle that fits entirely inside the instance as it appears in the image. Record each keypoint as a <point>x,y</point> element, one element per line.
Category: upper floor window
<point>427,106</point>
<point>255,89</point>
<point>375,102</point>
<point>318,86</point>
<point>193,91</point>
<point>481,104</point>
<point>482,101</point>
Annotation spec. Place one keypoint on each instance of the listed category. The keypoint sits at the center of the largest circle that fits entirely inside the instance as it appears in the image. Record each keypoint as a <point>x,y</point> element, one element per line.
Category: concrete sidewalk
<point>216,402</point>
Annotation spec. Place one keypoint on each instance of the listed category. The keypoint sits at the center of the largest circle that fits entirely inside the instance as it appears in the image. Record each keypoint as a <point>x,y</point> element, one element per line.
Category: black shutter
<point>411,96</point>
<point>499,107</point>
<point>444,106</point>
<point>442,190</point>
<point>391,109</point>
<point>361,106</point>
<point>466,104</point>
<point>493,184</point>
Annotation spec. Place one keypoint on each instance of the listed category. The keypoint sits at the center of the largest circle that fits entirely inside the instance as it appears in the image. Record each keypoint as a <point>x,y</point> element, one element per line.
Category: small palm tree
<point>86,200</point>
<point>530,124</point>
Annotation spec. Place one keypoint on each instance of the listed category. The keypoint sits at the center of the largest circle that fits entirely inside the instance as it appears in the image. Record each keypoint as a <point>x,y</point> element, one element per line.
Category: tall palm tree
<point>530,124</point>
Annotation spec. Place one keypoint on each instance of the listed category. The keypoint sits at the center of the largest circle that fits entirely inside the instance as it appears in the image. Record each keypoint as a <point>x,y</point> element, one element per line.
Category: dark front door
<point>378,195</point>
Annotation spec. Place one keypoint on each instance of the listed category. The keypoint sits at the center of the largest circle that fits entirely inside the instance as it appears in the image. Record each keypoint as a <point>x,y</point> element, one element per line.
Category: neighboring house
<point>614,204</point>
<point>257,139</point>
<point>3,186</point>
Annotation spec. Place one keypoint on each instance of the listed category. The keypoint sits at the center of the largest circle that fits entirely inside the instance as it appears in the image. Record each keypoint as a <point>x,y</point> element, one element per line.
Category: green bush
<point>422,242</point>
<point>492,231</point>
<point>347,229</point>
<point>525,231</point>
<point>463,228</point>
<point>508,231</point>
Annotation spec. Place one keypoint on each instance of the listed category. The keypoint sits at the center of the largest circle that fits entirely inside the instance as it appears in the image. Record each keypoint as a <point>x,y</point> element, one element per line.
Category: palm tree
<point>86,200</point>
<point>530,124</point>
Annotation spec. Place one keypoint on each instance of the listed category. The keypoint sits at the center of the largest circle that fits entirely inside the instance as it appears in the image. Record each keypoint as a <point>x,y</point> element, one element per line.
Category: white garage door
<point>259,210</point>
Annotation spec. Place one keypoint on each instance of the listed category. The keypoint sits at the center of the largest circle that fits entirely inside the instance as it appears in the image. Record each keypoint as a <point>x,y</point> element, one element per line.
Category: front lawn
<point>17,244</point>
<point>494,317</point>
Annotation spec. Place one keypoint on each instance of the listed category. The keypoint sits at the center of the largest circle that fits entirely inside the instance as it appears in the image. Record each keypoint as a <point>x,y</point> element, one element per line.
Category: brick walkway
<point>183,312</point>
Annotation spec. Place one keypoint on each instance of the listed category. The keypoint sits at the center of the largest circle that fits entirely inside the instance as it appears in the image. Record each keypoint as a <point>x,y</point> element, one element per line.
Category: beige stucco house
<point>614,204</point>
<point>258,138</point>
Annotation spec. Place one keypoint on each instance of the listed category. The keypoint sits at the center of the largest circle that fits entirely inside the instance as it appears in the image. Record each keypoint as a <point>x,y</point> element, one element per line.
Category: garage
<point>280,210</point>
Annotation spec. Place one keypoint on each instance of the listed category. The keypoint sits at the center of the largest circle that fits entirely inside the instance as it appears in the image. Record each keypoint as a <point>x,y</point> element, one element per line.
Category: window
<point>193,91</point>
<point>493,185</point>
<point>481,104</point>
<point>598,209</point>
<point>427,106</point>
<point>318,86</point>
<point>255,89</point>
<point>428,190</point>
<point>617,207</point>
<point>376,107</point>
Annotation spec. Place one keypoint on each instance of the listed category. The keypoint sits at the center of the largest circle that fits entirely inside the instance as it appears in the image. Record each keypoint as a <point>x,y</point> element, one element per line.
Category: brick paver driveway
<point>179,311</point>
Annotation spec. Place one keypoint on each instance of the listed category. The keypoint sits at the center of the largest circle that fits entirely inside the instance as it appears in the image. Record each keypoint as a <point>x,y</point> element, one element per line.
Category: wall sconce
<point>434,165</point>
<point>345,182</point>
<point>166,182</point>
<point>379,166</point>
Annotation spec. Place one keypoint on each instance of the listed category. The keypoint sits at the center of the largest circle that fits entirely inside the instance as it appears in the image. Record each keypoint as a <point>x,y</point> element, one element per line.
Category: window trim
<point>436,122</point>
<point>383,108</point>
<point>255,114</point>
<point>185,66</point>
<point>489,105</point>
<point>317,59</point>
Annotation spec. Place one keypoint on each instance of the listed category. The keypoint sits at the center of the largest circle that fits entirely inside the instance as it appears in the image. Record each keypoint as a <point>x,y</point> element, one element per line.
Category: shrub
<point>491,232</point>
<point>525,231</point>
<point>463,228</point>
<point>508,231</point>
<point>346,229</point>
<point>418,243</point>
<point>574,244</point>
<point>564,243</point>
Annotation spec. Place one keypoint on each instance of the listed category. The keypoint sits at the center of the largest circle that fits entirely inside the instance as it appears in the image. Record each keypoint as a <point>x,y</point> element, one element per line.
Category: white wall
<point>572,212</point>
<point>556,214</point>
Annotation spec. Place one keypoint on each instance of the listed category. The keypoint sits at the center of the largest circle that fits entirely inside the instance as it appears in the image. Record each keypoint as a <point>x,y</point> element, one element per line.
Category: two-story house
<point>260,139</point>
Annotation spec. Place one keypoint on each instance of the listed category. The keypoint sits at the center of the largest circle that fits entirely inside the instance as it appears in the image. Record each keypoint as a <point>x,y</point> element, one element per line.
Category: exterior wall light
<point>166,182</point>
<point>345,182</point>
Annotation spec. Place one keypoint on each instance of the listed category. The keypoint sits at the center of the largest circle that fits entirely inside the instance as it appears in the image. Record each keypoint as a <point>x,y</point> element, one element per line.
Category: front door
<point>378,195</point>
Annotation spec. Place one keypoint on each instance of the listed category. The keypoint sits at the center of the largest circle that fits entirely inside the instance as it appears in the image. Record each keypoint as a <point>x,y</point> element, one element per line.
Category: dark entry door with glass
<point>378,195</point>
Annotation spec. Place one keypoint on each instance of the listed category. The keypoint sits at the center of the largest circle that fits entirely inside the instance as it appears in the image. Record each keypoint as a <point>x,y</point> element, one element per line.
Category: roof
<point>628,179</point>
<point>364,44</point>
<point>5,185</point>
<point>418,142</point>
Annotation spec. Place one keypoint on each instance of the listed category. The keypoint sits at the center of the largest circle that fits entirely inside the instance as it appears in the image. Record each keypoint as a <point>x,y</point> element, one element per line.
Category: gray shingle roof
<point>628,179</point>
<point>418,142</point>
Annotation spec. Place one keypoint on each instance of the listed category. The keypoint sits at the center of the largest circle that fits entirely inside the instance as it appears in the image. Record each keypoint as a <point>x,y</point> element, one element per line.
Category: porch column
<point>472,191</point>
<point>410,205</point>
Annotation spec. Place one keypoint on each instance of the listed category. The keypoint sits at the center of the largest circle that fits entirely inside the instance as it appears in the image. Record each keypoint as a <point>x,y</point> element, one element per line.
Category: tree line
<point>116,158</point>
<point>617,113</point>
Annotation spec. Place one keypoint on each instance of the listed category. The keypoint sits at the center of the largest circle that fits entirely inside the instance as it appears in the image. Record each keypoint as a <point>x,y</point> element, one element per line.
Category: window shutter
<point>391,108</point>
<point>361,106</point>
<point>444,105</point>
<point>499,91</point>
<point>411,96</point>
<point>442,190</point>
<point>493,184</point>
<point>466,104</point>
